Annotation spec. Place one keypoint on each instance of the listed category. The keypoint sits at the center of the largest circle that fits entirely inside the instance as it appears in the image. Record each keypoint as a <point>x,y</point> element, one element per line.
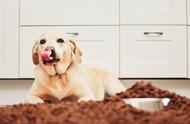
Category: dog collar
<point>58,75</point>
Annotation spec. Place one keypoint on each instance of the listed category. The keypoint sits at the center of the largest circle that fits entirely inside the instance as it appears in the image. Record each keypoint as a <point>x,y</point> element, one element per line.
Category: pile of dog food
<point>110,111</point>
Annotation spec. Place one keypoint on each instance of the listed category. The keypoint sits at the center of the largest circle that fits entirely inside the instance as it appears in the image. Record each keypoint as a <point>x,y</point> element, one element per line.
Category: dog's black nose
<point>52,49</point>
<point>53,54</point>
<point>49,48</point>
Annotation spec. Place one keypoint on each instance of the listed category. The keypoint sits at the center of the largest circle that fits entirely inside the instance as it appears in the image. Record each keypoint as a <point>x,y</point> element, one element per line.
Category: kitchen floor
<point>14,91</point>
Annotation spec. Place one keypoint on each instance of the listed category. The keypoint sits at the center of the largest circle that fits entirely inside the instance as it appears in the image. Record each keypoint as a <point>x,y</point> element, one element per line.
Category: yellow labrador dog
<point>59,72</point>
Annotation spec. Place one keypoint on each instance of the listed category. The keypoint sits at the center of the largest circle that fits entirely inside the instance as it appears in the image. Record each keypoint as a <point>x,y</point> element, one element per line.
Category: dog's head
<point>55,50</point>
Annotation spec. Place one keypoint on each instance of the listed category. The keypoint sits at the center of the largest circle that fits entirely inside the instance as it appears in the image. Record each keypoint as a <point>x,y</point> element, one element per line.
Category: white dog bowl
<point>148,104</point>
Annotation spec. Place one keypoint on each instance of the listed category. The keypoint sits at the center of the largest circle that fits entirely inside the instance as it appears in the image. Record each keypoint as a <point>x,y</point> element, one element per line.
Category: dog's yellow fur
<point>68,76</point>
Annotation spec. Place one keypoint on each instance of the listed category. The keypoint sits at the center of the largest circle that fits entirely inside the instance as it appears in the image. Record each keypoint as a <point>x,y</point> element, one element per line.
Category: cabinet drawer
<point>188,11</point>
<point>69,12</point>
<point>100,46</point>
<point>153,52</point>
<point>153,11</point>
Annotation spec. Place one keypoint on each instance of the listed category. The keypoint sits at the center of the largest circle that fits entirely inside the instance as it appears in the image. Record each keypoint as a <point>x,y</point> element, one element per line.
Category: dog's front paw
<point>84,99</point>
<point>34,100</point>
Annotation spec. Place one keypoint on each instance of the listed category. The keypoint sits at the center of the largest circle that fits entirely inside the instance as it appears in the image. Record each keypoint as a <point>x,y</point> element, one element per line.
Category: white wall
<point>14,91</point>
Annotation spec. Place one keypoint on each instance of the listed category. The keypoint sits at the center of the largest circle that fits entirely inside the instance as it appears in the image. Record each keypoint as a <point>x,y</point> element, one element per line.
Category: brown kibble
<point>110,111</point>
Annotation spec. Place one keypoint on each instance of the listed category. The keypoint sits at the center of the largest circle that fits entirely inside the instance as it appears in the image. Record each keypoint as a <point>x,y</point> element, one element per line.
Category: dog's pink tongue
<point>45,55</point>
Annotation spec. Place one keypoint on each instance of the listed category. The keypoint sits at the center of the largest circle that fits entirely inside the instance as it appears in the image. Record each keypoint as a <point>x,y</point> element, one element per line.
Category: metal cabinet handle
<point>73,33</point>
<point>153,33</point>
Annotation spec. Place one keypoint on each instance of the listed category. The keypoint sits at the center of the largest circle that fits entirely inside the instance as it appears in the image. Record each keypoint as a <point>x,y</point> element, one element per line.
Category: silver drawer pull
<point>153,33</point>
<point>73,33</point>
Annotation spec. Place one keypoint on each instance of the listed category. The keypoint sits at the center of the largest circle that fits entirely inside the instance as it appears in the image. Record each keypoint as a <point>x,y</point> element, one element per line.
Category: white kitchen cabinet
<point>153,52</point>
<point>153,12</point>
<point>100,46</point>
<point>188,11</point>
<point>9,36</point>
<point>69,12</point>
<point>188,51</point>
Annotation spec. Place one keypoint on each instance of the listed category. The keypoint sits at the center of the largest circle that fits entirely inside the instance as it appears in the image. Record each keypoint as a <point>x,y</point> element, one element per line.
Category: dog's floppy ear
<point>76,50</point>
<point>35,56</point>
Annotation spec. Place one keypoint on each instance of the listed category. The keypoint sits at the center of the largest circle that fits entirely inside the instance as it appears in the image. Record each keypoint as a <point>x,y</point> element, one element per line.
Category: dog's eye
<point>42,41</point>
<point>60,40</point>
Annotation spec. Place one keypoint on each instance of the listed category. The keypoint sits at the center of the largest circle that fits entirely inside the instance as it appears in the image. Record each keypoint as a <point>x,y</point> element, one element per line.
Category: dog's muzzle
<point>49,56</point>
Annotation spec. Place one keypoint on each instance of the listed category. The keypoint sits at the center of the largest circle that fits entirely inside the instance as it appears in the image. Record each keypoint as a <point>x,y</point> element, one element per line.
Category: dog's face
<point>54,51</point>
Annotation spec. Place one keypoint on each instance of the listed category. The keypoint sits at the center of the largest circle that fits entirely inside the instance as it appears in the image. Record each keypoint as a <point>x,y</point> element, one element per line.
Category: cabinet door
<point>69,12</point>
<point>100,46</point>
<point>188,11</point>
<point>9,38</point>
<point>153,52</point>
<point>188,51</point>
<point>153,11</point>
